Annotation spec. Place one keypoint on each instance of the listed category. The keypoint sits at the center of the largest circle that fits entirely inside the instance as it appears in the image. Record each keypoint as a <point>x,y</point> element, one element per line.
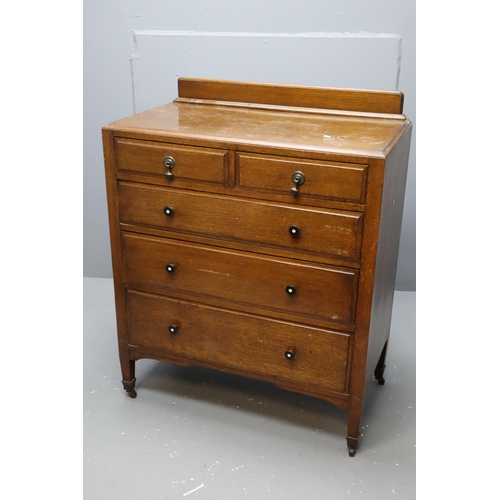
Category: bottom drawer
<point>270,348</point>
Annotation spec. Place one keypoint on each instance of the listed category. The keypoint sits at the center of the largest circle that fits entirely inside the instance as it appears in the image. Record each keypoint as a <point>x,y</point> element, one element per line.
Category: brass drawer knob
<point>173,329</point>
<point>294,231</point>
<point>298,178</point>
<point>290,290</point>
<point>170,268</point>
<point>169,163</point>
<point>290,354</point>
<point>168,211</point>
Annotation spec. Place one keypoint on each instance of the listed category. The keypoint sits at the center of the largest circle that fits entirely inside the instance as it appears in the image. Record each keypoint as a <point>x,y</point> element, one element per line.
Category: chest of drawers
<point>255,229</point>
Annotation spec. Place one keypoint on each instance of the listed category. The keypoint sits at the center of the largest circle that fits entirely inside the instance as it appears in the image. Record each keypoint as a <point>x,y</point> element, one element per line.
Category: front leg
<point>352,445</point>
<point>353,423</point>
<point>128,371</point>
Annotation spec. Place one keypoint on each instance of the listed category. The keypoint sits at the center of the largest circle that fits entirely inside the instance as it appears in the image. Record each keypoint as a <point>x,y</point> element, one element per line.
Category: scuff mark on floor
<point>192,491</point>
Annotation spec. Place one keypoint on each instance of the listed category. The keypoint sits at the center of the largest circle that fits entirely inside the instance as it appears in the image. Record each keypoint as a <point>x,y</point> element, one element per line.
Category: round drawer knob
<point>169,211</point>
<point>290,354</point>
<point>170,268</point>
<point>290,289</point>
<point>169,163</point>
<point>173,329</point>
<point>294,231</point>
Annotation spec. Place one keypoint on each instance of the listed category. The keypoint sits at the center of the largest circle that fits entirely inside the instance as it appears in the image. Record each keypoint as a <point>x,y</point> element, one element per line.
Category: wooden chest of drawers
<point>255,229</point>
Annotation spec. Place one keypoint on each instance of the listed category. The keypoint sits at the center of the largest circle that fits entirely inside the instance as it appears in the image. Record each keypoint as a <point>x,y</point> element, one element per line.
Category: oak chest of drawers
<point>255,229</point>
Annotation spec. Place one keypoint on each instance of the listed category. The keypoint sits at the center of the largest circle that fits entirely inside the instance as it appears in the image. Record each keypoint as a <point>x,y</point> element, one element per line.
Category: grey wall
<point>135,49</point>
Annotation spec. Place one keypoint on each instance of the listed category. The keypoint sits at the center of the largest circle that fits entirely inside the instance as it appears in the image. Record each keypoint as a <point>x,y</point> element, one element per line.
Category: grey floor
<point>197,433</point>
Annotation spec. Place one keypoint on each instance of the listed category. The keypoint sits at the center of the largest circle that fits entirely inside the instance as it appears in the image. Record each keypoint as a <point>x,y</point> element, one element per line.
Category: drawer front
<point>323,232</point>
<point>323,180</point>
<point>273,285</point>
<point>243,342</point>
<point>146,157</point>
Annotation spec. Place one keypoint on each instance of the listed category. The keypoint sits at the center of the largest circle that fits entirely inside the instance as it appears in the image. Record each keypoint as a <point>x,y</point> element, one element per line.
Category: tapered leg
<point>352,445</point>
<point>379,370</point>
<point>128,372</point>
<point>353,423</point>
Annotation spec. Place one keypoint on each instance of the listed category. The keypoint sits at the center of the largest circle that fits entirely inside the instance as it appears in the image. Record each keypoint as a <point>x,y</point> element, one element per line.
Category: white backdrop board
<point>355,61</point>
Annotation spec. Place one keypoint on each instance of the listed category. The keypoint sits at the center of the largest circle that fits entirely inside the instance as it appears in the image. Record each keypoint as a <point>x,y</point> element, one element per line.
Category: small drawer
<point>273,349</point>
<point>333,234</point>
<point>170,161</point>
<point>324,180</point>
<point>277,286</point>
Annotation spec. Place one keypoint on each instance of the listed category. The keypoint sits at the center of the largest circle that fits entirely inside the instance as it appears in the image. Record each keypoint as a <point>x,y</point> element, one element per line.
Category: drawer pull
<point>290,354</point>
<point>290,290</point>
<point>294,231</point>
<point>173,329</point>
<point>298,178</point>
<point>169,163</point>
<point>169,211</point>
<point>170,268</point>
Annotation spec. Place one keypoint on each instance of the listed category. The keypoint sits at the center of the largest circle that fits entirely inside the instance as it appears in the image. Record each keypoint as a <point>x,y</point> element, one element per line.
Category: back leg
<point>379,370</point>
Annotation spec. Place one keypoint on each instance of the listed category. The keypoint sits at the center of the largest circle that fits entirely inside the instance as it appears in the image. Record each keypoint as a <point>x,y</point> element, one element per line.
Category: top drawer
<point>156,158</point>
<point>342,182</point>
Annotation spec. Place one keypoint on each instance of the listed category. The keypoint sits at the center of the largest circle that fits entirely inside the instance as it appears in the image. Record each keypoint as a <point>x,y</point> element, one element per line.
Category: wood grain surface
<point>219,126</point>
<point>333,233</point>
<point>245,342</point>
<point>327,293</point>
<point>323,180</point>
<point>202,164</point>
<point>373,101</point>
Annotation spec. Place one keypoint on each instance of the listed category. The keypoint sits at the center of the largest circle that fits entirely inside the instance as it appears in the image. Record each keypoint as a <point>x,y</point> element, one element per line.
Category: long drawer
<point>276,349</point>
<point>273,285</point>
<point>308,231</point>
